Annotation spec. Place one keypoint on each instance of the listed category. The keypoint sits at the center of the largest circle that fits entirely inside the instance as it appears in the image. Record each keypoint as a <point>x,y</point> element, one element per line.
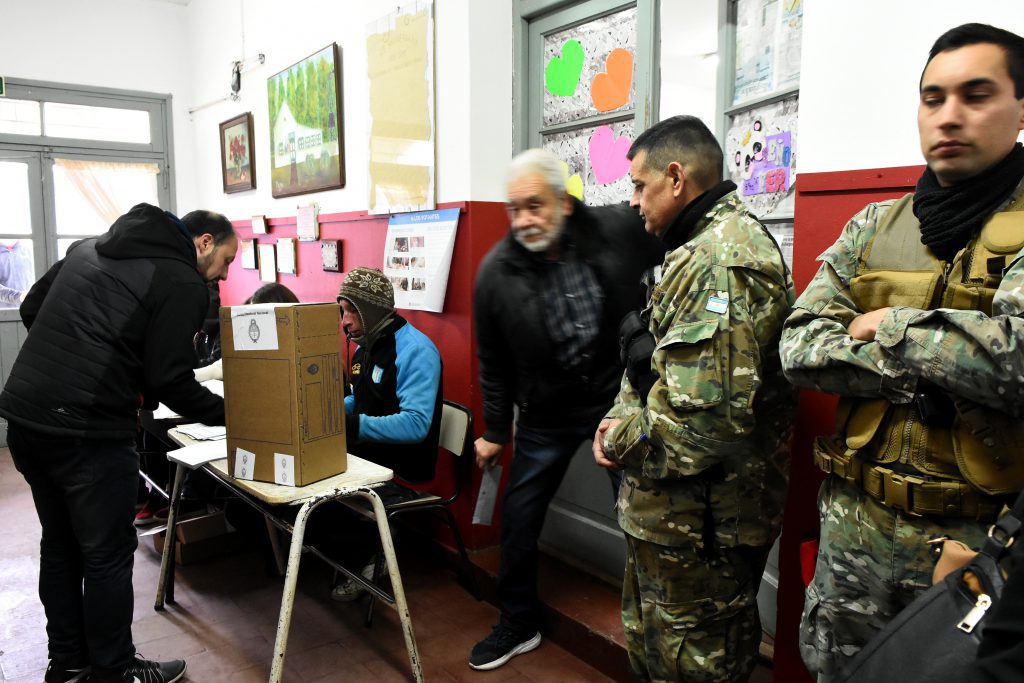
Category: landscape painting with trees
<point>306,135</point>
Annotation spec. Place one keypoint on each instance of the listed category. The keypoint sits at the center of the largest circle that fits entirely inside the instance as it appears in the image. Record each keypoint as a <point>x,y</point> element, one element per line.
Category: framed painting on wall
<point>330,255</point>
<point>306,140</point>
<point>236,154</point>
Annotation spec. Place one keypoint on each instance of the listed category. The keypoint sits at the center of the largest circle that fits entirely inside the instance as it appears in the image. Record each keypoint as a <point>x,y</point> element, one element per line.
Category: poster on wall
<point>768,42</point>
<point>418,256</point>
<point>306,139</point>
<point>400,69</point>
<point>760,152</point>
<point>589,71</point>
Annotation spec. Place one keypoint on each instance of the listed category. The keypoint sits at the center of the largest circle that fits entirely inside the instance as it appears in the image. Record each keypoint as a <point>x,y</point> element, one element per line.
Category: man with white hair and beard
<point>548,302</point>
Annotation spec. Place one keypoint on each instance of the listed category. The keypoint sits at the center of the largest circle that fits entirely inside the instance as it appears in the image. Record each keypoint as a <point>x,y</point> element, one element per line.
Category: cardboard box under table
<point>283,396</point>
<point>200,538</point>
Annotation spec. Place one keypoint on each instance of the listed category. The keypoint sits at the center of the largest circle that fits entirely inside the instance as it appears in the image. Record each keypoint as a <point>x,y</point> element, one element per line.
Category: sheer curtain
<point>109,188</point>
<point>91,195</point>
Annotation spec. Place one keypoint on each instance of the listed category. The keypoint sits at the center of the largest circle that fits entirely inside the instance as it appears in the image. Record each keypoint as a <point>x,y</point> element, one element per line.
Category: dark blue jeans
<point>539,462</point>
<point>84,492</point>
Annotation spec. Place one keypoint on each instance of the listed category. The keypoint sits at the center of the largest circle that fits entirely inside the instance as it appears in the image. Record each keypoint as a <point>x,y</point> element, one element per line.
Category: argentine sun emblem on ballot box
<point>283,396</point>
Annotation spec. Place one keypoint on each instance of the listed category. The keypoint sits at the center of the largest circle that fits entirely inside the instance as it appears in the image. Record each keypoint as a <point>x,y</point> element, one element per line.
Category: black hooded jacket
<point>518,361</point>
<point>110,331</point>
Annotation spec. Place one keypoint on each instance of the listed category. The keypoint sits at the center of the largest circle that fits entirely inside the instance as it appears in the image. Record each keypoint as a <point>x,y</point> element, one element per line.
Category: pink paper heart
<point>608,155</point>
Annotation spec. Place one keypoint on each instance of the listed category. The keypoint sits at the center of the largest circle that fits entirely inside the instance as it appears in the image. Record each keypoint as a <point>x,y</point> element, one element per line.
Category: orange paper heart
<point>610,89</point>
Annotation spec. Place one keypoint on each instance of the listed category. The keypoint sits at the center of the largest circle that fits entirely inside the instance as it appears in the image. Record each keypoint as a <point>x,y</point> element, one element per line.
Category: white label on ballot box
<point>254,327</point>
<point>245,464</point>
<point>284,469</point>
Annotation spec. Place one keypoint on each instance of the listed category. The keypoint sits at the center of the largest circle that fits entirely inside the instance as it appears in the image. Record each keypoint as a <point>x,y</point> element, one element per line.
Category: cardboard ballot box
<point>283,395</point>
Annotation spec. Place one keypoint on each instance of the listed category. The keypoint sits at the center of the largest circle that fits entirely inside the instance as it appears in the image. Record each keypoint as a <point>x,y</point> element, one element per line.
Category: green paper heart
<point>562,74</point>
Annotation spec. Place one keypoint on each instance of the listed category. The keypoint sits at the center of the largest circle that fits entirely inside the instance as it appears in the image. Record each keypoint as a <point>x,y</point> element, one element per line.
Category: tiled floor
<point>226,615</point>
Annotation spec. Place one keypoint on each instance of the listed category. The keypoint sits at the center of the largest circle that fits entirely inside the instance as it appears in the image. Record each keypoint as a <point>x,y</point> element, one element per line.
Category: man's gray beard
<point>548,238</point>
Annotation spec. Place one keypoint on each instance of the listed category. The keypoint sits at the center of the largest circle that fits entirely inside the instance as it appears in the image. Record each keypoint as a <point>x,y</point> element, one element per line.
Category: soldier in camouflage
<point>702,422</point>
<point>914,319</point>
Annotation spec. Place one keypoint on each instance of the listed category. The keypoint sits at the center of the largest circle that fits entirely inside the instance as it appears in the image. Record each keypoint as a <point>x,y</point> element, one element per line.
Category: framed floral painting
<point>236,154</point>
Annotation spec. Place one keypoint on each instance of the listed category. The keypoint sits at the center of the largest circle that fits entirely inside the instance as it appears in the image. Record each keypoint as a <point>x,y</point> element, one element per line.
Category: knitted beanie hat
<point>371,293</point>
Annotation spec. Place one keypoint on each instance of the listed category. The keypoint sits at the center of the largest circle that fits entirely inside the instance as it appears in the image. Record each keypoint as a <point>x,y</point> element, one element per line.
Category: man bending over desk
<point>110,331</point>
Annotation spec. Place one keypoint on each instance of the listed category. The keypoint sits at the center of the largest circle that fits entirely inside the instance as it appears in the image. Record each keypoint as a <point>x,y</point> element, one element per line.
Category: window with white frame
<point>72,160</point>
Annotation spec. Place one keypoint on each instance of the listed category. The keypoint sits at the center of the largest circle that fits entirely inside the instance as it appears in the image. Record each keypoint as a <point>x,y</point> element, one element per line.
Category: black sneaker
<point>502,645</point>
<point>146,671</point>
<point>57,673</point>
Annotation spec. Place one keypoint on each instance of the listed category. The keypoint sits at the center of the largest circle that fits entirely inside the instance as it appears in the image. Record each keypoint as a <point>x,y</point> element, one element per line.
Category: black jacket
<point>110,330</point>
<point>518,362</point>
<point>397,376</point>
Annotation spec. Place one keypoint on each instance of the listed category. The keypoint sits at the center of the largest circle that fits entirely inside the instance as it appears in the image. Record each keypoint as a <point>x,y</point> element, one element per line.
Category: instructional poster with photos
<point>418,256</point>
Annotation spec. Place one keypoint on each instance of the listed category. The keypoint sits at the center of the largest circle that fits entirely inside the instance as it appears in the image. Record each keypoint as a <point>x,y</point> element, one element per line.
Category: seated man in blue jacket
<point>393,415</point>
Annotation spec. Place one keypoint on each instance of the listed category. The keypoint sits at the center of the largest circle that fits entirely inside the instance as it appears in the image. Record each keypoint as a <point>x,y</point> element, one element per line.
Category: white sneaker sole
<point>519,649</point>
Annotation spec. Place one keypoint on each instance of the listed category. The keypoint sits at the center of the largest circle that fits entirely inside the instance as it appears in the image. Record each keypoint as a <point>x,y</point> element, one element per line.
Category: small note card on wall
<point>306,226</point>
<point>259,225</point>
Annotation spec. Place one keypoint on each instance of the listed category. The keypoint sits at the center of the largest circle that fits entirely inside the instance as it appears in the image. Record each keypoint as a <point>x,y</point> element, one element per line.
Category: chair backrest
<point>456,428</point>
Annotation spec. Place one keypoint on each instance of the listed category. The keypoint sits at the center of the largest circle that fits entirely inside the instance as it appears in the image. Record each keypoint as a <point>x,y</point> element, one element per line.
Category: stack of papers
<point>201,432</point>
<point>162,412</point>
<point>199,454</point>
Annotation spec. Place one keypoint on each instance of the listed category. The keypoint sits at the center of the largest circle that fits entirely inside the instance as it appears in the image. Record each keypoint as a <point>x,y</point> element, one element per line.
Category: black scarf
<point>687,220</point>
<point>951,216</point>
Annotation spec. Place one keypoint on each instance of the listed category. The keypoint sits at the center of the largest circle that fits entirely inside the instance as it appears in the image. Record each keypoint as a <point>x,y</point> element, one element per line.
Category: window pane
<point>14,198</point>
<point>596,160</point>
<point>90,195</point>
<point>17,272</point>
<point>96,123</point>
<point>19,117</point>
<point>589,69</point>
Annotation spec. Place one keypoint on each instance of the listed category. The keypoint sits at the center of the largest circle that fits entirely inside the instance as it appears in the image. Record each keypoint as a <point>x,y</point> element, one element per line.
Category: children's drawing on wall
<point>588,72</point>
<point>596,158</point>
<point>761,151</point>
<point>589,68</point>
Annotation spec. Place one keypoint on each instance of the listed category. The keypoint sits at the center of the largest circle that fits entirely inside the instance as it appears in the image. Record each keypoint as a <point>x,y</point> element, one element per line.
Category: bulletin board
<point>589,73</point>
<point>760,153</point>
<point>400,69</point>
<point>768,35</point>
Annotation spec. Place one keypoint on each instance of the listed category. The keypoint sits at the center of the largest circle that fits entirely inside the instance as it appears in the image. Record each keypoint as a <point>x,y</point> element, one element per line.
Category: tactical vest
<point>884,448</point>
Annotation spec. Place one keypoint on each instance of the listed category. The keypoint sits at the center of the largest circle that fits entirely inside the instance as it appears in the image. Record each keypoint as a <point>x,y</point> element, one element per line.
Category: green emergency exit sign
<point>3,87</point>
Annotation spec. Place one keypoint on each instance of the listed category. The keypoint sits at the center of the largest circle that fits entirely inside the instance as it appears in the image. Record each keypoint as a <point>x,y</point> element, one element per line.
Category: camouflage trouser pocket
<point>704,640</point>
<point>815,643</point>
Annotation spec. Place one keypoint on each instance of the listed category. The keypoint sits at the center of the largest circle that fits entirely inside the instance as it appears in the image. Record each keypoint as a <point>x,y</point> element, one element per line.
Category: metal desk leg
<point>165,585</point>
<point>275,546</point>
<point>384,528</point>
<point>288,596</point>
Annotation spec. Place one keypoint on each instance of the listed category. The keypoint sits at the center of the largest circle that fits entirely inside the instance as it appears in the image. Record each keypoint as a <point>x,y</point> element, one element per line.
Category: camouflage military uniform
<point>873,558</point>
<point>706,458</point>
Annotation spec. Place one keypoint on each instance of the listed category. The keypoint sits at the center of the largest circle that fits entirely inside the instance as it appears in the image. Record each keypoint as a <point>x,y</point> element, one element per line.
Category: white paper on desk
<point>245,464</point>
<point>201,432</point>
<point>217,385</point>
<point>488,495</point>
<point>162,412</point>
<point>254,327</point>
<point>284,469</point>
<point>198,454</point>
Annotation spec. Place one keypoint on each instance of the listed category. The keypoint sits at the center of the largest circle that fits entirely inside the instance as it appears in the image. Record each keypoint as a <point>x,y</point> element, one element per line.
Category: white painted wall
<point>161,47</point>
<point>128,44</point>
<point>860,68</point>
<point>861,63</point>
<point>473,92</point>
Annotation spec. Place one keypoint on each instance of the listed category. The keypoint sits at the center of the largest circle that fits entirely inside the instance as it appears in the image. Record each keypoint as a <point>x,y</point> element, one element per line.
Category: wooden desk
<point>359,480</point>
